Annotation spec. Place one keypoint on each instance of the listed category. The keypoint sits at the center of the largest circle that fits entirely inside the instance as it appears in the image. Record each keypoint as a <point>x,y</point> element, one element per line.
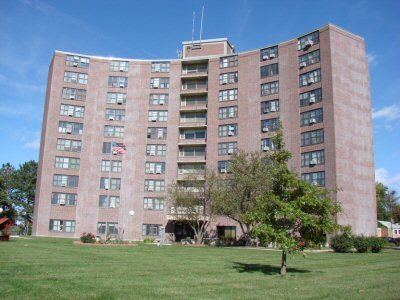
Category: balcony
<point>192,159</point>
<point>196,107</point>
<point>185,176</point>
<point>193,124</point>
<point>192,142</point>
<point>194,87</point>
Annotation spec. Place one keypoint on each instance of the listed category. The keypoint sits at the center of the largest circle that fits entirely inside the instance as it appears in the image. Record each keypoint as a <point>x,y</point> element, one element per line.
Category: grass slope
<point>45,268</point>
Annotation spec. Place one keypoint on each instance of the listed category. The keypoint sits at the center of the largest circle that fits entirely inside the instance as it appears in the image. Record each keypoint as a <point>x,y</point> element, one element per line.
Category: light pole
<point>131,213</point>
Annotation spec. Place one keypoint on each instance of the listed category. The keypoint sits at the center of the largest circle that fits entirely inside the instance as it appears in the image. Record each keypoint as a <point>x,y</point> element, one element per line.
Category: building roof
<point>388,224</point>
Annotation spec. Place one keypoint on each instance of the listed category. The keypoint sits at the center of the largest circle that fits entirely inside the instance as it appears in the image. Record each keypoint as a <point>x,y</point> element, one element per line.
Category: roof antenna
<point>201,23</point>
<point>194,16</point>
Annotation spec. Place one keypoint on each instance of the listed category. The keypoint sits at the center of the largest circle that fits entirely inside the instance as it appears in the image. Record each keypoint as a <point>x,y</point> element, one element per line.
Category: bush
<point>88,238</point>
<point>149,240</point>
<point>342,243</point>
<point>361,243</point>
<point>397,241</point>
<point>376,244</point>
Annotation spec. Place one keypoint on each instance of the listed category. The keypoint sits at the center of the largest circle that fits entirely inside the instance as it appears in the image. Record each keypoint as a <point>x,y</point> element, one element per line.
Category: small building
<point>388,229</point>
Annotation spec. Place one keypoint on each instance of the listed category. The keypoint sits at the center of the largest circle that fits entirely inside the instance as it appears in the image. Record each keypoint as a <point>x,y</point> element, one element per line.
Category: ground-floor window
<point>151,229</point>
<point>112,228</point>
<point>62,225</point>
<point>226,232</point>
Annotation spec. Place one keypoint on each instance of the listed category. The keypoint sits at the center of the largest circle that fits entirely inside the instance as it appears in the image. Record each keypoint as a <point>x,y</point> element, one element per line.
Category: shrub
<point>88,238</point>
<point>361,243</point>
<point>376,244</point>
<point>397,241</point>
<point>149,240</point>
<point>342,243</point>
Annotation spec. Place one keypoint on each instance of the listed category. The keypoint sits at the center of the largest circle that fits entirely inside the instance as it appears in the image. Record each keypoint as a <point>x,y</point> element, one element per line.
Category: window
<point>313,158</point>
<point>119,66</point>
<point>72,111</point>
<point>106,148</point>
<point>108,201</point>
<point>270,88</point>
<point>227,112</point>
<point>118,81</point>
<point>65,180</point>
<point>156,150</point>
<point>158,99</point>
<point>69,145</point>
<point>228,78</point>
<point>227,148</point>
<point>153,203</point>
<point>194,68</point>
<point>194,84</point>
<point>312,137</point>
<point>227,62</point>
<point>227,232</point>
<point>270,125</point>
<point>77,61</point>
<point>157,133</point>
<point>310,77</point>
<point>311,117</point>
<point>155,168</point>
<point>199,151</point>
<point>62,225</point>
<point>159,83</point>
<point>74,77</point>
<point>269,106</point>
<point>188,134</point>
<point>107,228</point>
<point>110,183</point>
<point>158,115</point>
<point>70,128</point>
<point>308,40</point>
<point>115,114</point>
<point>197,100</point>
<point>152,229</point>
<point>223,166</point>
<point>67,163</point>
<point>269,70</point>
<point>310,97</point>
<point>114,166</point>
<point>114,131</point>
<point>227,95</point>
<point>118,98</point>
<point>193,117</point>
<point>63,199</point>
<point>151,185</point>
<point>267,144</point>
<point>160,67</point>
<point>309,59</point>
<point>73,94</point>
<point>315,178</point>
<point>269,53</point>
<point>228,130</point>
<point>196,169</point>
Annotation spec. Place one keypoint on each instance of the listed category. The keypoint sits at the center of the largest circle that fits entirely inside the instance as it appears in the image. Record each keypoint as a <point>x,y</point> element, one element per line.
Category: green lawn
<point>44,268</point>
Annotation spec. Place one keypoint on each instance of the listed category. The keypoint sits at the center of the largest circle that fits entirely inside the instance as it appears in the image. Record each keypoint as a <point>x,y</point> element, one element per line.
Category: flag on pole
<point>118,148</point>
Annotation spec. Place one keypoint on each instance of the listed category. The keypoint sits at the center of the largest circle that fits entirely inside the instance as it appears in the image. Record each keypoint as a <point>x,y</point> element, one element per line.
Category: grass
<point>45,268</point>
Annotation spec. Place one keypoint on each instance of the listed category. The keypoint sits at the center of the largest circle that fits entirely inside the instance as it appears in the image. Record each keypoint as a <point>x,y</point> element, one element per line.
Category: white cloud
<point>382,175</point>
<point>372,59</point>
<point>388,113</point>
<point>30,139</point>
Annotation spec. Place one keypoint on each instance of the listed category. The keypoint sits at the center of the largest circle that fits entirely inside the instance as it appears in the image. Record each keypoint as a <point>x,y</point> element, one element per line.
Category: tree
<point>7,173</point>
<point>388,208</point>
<point>191,201</point>
<point>292,212</point>
<point>238,192</point>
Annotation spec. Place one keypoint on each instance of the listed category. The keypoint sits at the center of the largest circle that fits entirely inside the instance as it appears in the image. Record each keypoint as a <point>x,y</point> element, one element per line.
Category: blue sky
<point>30,31</point>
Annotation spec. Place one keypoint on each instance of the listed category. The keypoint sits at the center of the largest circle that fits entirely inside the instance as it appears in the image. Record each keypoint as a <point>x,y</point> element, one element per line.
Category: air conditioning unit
<point>230,151</point>
<point>62,201</point>
<point>312,99</point>
<point>224,81</point>
<point>305,83</point>
<point>313,162</point>
<point>121,85</point>
<point>72,97</point>
<point>115,152</point>
<point>112,205</point>
<point>308,44</point>
<point>224,171</point>
<point>310,80</point>
<point>151,171</point>
<point>314,183</point>
<point>272,55</point>
<point>161,102</point>
<point>63,184</point>
<point>231,133</point>
<point>312,121</point>
<point>302,65</point>
<point>160,136</point>
<point>265,129</point>
<point>75,64</point>
<point>111,118</point>
<point>265,57</point>
<point>106,187</point>
<point>272,109</point>
<point>152,153</point>
<point>68,130</point>
<point>158,171</point>
<point>70,114</point>
<point>150,189</point>
<point>266,148</point>
<point>121,69</point>
<point>119,101</point>
<point>153,119</point>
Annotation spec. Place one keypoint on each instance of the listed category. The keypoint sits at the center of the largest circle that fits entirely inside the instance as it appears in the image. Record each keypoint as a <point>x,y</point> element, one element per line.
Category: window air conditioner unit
<point>75,64</point>
<point>310,80</point>
<point>158,171</point>
<point>152,153</point>
<point>70,114</point>
<point>312,121</point>
<point>106,187</point>
<point>111,118</point>
<point>265,129</point>
<point>272,55</point>
<point>63,184</point>
<point>153,119</point>
<point>150,189</point>
<point>62,202</point>
<point>231,133</point>
<point>224,171</point>
<point>119,101</point>
<point>313,162</point>
<point>272,109</point>
<point>112,205</point>
<point>121,69</point>
<point>115,152</point>
<point>151,171</point>
<point>314,183</point>
<point>72,97</point>
<point>224,81</point>
<point>312,99</point>
<point>230,151</point>
<point>303,64</point>
<point>265,148</point>
<point>121,85</point>
<point>265,57</point>
<point>161,102</point>
<point>68,130</point>
<point>308,44</point>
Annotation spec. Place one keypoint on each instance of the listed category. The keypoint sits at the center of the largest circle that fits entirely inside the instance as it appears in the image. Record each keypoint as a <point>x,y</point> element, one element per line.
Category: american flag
<point>118,148</point>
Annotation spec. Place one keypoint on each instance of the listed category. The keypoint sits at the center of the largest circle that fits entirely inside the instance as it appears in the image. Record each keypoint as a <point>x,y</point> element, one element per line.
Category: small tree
<point>292,212</point>
<point>7,174</point>
<point>191,201</point>
<point>238,192</point>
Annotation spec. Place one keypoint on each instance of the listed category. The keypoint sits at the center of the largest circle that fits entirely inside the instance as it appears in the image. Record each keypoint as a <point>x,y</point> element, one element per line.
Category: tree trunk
<point>283,263</point>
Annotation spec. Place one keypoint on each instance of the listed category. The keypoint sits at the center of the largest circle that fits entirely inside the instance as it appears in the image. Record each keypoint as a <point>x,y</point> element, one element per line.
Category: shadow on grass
<point>265,269</point>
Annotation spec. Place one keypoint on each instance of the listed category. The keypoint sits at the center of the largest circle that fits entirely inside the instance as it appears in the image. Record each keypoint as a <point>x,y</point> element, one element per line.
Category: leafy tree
<point>388,208</point>
<point>238,192</point>
<point>7,173</point>
<point>191,201</point>
<point>292,212</point>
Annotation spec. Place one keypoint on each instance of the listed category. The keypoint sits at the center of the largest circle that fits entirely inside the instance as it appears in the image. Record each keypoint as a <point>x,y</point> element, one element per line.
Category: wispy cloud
<point>372,59</point>
<point>34,143</point>
<point>388,113</point>
<point>382,175</point>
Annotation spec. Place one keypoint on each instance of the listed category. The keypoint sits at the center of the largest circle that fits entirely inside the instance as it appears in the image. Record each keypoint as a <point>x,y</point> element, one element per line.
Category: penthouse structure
<point>180,116</point>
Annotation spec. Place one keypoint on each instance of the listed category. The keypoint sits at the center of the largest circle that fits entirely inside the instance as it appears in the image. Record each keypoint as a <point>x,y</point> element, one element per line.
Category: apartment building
<point>180,116</point>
